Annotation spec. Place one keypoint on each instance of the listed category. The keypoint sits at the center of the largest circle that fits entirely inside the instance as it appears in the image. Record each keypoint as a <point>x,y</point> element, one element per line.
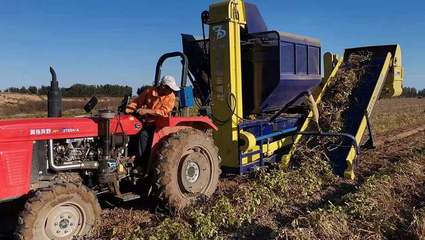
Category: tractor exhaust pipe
<point>54,97</point>
<point>54,105</point>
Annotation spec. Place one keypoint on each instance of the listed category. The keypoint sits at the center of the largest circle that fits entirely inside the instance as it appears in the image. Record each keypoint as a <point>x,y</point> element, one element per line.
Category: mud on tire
<point>61,212</point>
<point>69,177</point>
<point>187,165</point>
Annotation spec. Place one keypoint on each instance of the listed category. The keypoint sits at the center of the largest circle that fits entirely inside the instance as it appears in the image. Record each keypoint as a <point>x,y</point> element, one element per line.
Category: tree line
<point>78,90</point>
<point>82,90</point>
<point>412,92</point>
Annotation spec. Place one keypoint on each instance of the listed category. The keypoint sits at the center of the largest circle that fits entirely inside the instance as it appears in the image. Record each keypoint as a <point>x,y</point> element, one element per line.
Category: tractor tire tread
<point>165,164</point>
<point>39,200</point>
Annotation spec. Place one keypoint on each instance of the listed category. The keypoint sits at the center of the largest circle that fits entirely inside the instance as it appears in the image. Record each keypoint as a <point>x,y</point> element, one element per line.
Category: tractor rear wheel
<point>63,211</point>
<point>187,166</point>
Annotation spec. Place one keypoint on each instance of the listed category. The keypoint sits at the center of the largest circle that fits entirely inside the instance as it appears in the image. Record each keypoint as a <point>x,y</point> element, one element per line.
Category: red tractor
<point>62,164</point>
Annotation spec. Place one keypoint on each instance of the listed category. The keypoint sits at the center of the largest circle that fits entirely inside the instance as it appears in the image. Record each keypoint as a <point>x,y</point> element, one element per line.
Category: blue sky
<point>109,41</point>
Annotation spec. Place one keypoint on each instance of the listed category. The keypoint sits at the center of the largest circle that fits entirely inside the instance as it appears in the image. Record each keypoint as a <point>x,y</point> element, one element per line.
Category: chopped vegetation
<point>337,99</point>
<point>334,108</point>
<point>379,209</point>
<point>417,227</point>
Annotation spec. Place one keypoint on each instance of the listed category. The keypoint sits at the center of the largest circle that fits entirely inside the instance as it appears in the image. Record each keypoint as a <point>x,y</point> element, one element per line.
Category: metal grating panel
<point>287,53</point>
<point>301,59</point>
<point>313,60</point>
<point>14,162</point>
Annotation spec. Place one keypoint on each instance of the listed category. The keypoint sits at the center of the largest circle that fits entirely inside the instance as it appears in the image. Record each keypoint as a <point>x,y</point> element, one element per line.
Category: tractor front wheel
<point>63,211</point>
<point>187,166</point>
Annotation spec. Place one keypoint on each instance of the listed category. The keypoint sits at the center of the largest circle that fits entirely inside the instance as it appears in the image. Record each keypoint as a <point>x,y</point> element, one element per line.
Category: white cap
<point>171,82</point>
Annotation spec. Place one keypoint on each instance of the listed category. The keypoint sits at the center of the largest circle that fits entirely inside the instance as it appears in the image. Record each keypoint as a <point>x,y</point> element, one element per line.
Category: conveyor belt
<point>362,101</point>
<point>383,75</point>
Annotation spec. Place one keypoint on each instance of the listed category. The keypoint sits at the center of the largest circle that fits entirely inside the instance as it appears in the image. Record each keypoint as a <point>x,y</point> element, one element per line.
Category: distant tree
<point>411,92</point>
<point>79,90</point>
<point>13,90</point>
<point>33,89</point>
<point>23,90</point>
<point>43,90</point>
<point>82,90</point>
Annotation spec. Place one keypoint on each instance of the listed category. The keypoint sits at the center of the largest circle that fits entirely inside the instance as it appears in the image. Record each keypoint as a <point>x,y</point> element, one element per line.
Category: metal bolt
<point>58,231</point>
<point>56,223</point>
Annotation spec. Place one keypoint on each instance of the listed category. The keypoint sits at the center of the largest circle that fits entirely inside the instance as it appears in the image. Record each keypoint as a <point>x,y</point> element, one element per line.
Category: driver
<point>152,103</point>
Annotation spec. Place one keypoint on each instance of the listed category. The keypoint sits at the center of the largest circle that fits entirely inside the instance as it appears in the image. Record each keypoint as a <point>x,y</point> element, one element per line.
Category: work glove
<point>129,110</point>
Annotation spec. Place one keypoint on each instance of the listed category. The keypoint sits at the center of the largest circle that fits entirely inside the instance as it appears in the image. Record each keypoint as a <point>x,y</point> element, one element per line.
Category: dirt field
<point>386,201</point>
<point>391,115</point>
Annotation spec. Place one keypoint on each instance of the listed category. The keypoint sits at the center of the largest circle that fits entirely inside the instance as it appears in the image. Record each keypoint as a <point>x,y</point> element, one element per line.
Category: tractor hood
<point>61,128</point>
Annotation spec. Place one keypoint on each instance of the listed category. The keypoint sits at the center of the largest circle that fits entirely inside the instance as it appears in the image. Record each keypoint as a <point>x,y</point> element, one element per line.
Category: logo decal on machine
<point>43,131</point>
<point>70,130</point>
<point>219,31</point>
<point>47,131</point>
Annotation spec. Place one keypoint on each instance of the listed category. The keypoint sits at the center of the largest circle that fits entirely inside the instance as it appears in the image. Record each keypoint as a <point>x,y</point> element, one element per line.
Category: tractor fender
<point>171,125</point>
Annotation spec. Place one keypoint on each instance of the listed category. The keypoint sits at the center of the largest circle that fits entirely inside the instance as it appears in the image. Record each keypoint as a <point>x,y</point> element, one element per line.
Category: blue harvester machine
<point>252,82</point>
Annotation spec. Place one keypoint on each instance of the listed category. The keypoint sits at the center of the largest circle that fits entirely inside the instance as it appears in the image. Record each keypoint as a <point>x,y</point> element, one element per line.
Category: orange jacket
<point>150,99</point>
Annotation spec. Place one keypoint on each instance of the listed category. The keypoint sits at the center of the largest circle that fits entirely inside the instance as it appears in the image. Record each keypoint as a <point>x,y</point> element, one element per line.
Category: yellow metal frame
<point>268,149</point>
<point>394,82</point>
<point>226,19</point>
<point>349,172</point>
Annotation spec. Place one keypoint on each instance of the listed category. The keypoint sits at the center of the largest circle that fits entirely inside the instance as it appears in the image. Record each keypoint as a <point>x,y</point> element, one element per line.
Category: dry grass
<point>395,114</point>
<point>13,105</point>
<point>379,209</point>
<point>417,227</point>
